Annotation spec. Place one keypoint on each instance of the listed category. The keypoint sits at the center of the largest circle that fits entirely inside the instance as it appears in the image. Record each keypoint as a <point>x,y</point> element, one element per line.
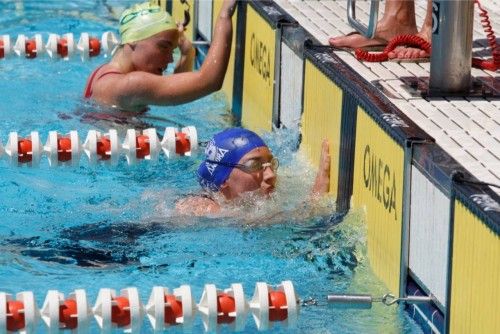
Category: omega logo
<point>380,180</point>
<point>260,59</point>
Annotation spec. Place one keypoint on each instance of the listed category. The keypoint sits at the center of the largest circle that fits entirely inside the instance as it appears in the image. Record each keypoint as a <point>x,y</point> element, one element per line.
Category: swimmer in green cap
<point>134,79</point>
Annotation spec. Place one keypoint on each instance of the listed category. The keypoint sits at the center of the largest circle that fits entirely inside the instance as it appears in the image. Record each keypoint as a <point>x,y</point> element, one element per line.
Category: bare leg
<point>322,183</point>
<point>398,19</point>
<point>403,52</point>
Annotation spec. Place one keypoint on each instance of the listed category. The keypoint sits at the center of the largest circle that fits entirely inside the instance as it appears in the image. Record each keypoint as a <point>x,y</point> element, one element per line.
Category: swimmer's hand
<point>228,8</point>
<point>322,183</point>
<point>185,45</point>
<point>186,61</point>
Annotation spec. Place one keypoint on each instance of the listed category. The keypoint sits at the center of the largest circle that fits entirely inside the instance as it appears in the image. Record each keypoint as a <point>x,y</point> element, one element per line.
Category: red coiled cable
<point>487,64</point>
<point>408,40</point>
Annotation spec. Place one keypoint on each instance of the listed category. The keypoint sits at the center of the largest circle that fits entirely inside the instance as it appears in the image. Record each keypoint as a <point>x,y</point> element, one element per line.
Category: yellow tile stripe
<point>475,285</point>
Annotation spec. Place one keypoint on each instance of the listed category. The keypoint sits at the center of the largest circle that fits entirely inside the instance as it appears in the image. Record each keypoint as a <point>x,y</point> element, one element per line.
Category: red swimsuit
<point>88,88</point>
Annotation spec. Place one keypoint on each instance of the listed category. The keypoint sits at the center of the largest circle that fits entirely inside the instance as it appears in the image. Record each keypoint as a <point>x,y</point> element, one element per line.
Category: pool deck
<point>467,128</point>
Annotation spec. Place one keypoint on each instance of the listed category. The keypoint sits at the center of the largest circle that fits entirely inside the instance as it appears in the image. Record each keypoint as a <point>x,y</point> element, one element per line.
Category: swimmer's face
<point>153,54</point>
<point>262,181</point>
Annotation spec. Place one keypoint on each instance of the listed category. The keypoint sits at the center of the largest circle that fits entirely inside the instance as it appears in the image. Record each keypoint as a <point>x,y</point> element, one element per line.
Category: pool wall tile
<point>429,234</point>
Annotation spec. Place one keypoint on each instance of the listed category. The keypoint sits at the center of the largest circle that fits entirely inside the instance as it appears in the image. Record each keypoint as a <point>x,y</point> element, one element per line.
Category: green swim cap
<point>142,21</point>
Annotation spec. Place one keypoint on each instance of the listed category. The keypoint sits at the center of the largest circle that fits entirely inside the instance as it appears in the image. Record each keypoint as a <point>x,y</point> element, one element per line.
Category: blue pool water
<point>113,226</point>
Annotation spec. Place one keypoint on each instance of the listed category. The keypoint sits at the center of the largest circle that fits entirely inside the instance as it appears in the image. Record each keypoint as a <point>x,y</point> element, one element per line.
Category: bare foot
<point>355,41</point>
<point>398,19</point>
<point>405,52</point>
<point>322,182</point>
<point>402,52</point>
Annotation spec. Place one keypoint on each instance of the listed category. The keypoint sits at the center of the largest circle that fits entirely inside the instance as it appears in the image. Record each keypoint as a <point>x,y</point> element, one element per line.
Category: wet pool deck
<point>467,128</point>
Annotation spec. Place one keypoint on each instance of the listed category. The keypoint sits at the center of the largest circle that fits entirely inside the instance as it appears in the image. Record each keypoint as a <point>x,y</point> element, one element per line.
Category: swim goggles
<point>250,166</point>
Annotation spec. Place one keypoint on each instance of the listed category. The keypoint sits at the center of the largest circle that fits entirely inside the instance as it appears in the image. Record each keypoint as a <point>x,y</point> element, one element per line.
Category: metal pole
<point>452,22</point>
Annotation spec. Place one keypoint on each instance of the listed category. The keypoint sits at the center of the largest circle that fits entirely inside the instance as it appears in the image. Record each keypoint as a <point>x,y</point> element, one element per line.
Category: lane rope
<point>67,149</point>
<point>217,307</point>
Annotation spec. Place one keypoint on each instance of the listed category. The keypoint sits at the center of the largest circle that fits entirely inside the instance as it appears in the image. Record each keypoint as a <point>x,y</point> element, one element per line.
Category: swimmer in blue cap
<point>237,161</point>
<point>134,79</point>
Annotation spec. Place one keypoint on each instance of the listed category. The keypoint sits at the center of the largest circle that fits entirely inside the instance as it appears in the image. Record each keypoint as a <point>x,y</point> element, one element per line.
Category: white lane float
<point>124,311</point>
<point>27,150</point>
<point>72,313</point>
<point>63,149</point>
<point>18,315</point>
<point>141,145</point>
<point>66,149</point>
<point>223,307</point>
<point>270,305</point>
<point>184,142</point>
<point>60,46</point>
<point>164,309</point>
<point>102,147</point>
<point>29,48</point>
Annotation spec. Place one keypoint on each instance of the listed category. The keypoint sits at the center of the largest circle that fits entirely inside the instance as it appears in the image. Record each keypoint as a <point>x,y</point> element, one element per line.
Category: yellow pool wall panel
<point>321,119</point>
<point>475,282</point>
<point>227,86</point>
<point>378,189</point>
<point>178,9</point>
<point>258,77</point>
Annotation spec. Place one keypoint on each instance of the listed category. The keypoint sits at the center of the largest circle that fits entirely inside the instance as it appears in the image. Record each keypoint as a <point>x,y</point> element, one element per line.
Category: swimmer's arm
<point>197,206</point>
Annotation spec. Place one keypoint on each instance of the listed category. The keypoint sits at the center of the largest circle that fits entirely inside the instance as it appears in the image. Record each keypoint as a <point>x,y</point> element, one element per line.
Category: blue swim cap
<point>228,146</point>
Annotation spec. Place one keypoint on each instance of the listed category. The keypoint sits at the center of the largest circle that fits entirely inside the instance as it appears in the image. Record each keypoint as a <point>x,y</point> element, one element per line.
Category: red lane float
<point>68,314</point>
<point>225,306</point>
<point>173,309</point>
<point>4,46</point>
<point>15,315</point>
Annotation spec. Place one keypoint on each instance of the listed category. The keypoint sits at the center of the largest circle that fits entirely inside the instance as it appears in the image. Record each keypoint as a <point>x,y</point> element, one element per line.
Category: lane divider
<point>66,149</point>
<point>217,307</point>
<point>57,46</point>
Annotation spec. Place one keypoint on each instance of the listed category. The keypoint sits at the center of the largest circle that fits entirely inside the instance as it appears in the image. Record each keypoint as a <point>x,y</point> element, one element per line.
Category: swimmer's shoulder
<point>197,205</point>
